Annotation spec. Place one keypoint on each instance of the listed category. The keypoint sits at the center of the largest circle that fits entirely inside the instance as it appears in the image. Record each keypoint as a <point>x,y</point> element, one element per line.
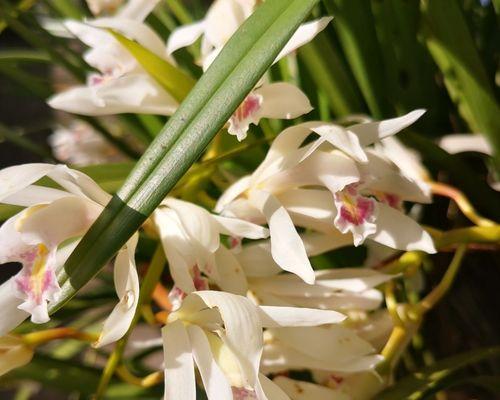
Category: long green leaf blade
<point>239,66</point>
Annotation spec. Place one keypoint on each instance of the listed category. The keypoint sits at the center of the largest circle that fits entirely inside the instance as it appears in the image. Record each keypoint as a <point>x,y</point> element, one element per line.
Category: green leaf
<point>355,27</point>
<point>452,47</point>
<point>172,79</point>
<point>424,383</point>
<point>330,75</point>
<point>237,69</point>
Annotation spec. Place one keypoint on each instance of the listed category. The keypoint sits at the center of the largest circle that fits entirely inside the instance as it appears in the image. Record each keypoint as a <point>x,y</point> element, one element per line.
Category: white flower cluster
<point>247,304</point>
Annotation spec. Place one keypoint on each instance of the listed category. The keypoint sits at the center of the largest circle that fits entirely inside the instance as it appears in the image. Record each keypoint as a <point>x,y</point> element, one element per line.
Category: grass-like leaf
<point>239,66</point>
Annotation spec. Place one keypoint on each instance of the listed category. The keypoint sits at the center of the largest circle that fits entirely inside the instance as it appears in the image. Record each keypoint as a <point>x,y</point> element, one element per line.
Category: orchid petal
<point>287,248</point>
<point>13,179</point>
<point>184,36</point>
<point>282,100</point>
<point>215,382</point>
<point>231,275</point>
<point>34,194</point>
<point>179,365</point>
<point>130,93</point>
<point>396,230</point>
<point>276,317</point>
<point>242,329</point>
<point>240,228</point>
<point>372,132</point>
<point>127,289</point>
<point>137,10</point>
<point>304,34</point>
<point>232,193</point>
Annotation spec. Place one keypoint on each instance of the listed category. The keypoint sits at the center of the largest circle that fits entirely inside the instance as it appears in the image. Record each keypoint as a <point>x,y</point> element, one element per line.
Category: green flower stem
<point>429,301</point>
<point>409,317</point>
<point>148,284</point>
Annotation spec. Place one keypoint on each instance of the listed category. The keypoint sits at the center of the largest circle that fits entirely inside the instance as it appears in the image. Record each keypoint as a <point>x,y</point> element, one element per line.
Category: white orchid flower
<point>222,334</point>
<point>223,18</point>
<point>350,171</point>
<point>79,144</point>
<point>191,238</point>
<point>38,236</point>
<point>122,85</point>
<point>278,100</point>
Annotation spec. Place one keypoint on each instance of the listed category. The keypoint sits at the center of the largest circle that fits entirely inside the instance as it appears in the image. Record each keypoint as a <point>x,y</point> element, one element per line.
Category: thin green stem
<point>429,301</point>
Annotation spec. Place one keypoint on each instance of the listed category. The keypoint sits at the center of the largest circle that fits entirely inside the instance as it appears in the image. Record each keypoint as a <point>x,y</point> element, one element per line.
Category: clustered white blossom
<point>247,303</point>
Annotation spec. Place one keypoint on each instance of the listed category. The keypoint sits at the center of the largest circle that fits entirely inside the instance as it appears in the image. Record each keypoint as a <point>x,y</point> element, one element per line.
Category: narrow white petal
<point>272,390</point>
<point>232,192</point>
<point>304,34</point>
<point>130,93</point>
<point>13,179</point>
<point>275,317</point>
<point>127,289</point>
<point>256,260</point>
<point>34,194</point>
<point>232,278</point>
<point>135,30</point>
<point>372,132</point>
<point>243,329</point>
<point>342,139</point>
<point>215,382</point>
<point>282,100</point>
<point>137,10</point>
<point>287,248</point>
<point>396,230</point>
<point>12,316</point>
<point>185,36</point>
<point>58,221</point>
<point>240,228</point>
<point>197,222</point>
<point>179,365</point>
<point>460,142</point>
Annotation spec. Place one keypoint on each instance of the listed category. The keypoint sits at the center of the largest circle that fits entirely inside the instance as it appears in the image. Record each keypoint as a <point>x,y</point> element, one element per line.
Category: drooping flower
<point>335,183</point>
<point>42,236</point>
<point>222,334</point>
<point>121,85</point>
<point>81,145</point>
<point>191,238</point>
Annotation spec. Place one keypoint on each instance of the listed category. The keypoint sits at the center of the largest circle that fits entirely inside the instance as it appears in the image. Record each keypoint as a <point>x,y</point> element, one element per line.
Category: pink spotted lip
<point>244,115</point>
<point>36,283</point>
<point>243,394</point>
<point>356,213</point>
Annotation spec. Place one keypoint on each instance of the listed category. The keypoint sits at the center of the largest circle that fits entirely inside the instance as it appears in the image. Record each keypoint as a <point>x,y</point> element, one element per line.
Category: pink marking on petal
<point>200,283</point>
<point>392,200</point>
<point>36,283</point>
<point>354,208</point>
<point>245,111</point>
<point>240,393</point>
